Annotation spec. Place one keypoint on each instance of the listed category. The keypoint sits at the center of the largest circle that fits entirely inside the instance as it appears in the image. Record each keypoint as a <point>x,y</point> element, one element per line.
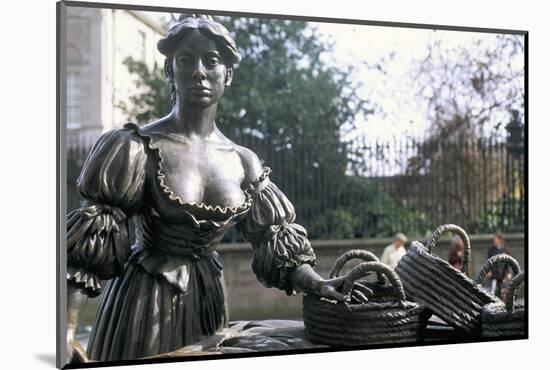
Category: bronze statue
<point>184,184</point>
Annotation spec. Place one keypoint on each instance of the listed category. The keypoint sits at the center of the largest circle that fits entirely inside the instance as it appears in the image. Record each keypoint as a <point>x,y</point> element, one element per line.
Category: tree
<point>469,89</point>
<point>474,82</point>
<point>152,99</point>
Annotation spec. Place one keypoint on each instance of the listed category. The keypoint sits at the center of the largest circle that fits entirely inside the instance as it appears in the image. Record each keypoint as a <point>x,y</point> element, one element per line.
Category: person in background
<point>457,252</point>
<point>500,273</point>
<point>393,252</point>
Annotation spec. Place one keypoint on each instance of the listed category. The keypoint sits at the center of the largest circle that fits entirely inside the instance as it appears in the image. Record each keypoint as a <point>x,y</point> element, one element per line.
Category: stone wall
<point>249,299</point>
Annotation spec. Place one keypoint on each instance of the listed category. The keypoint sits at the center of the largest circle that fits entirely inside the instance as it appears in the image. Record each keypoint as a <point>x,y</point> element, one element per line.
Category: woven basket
<point>350,255</point>
<point>495,260</point>
<point>502,320</point>
<point>362,289</point>
<point>386,318</point>
<point>446,291</point>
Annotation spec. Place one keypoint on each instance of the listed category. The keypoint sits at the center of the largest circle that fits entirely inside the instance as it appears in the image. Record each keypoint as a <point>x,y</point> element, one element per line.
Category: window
<point>74,100</point>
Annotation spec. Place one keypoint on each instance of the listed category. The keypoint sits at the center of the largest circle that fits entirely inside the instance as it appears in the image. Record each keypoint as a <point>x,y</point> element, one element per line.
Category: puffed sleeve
<point>112,181</point>
<point>279,244</point>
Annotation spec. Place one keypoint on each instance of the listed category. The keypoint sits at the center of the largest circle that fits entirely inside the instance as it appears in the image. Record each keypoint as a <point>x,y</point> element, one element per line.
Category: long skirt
<point>142,314</point>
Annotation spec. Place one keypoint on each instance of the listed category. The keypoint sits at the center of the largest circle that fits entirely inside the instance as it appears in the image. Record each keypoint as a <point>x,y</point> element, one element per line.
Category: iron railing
<point>361,189</point>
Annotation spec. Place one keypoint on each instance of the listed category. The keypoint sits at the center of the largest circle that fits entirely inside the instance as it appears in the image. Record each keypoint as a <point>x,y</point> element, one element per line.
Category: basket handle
<point>364,268</point>
<point>348,256</point>
<point>513,290</point>
<point>495,260</point>
<point>457,230</point>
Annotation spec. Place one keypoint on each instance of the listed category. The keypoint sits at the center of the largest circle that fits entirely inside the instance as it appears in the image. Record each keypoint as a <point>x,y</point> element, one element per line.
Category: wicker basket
<point>350,255</point>
<point>446,291</point>
<point>503,320</point>
<point>380,319</point>
<point>362,289</point>
<point>495,260</point>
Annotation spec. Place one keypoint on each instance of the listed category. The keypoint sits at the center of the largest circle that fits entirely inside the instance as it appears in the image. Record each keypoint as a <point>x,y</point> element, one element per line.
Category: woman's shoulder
<point>114,170</point>
<point>126,137</point>
<point>118,146</point>
<point>160,126</point>
<point>250,161</point>
<point>252,164</point>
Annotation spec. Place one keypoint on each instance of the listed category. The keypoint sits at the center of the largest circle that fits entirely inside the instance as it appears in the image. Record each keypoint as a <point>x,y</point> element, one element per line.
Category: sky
<point>401,113</point>
<point>360,44</point>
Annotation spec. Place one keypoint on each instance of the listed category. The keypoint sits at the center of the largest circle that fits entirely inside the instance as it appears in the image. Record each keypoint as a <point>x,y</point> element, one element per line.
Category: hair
<point>207,26</point>
<point>456,240</point>
<point>400,236</point>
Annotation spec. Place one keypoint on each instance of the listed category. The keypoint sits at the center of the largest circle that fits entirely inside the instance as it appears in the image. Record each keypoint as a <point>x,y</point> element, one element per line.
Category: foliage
<point>505,214</point>
<point>282,90</point>
<point>368,212</point>
<point>470,88</point>
<point>476,81</point>
<point>152,97</point>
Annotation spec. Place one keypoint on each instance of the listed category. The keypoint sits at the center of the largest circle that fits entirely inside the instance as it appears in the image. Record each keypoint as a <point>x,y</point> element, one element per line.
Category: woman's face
<point>200,76</point>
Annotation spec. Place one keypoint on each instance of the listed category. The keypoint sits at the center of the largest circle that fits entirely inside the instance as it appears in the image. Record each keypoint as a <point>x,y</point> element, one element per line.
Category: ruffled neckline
<point>215,210</point>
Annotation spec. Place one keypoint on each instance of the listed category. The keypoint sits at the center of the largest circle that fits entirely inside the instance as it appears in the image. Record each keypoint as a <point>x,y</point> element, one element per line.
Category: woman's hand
<point>328,289</point>
<point>304,279</point>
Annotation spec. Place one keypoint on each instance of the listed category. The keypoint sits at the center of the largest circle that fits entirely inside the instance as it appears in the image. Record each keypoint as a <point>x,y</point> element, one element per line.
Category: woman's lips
<point>200,91</point>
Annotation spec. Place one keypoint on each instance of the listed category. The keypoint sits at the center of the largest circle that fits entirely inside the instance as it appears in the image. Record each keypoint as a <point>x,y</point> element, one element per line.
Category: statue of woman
<point>184,184</point>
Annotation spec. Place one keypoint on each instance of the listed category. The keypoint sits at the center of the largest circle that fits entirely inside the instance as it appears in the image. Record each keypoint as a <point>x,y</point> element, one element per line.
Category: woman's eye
<point>213,61</point>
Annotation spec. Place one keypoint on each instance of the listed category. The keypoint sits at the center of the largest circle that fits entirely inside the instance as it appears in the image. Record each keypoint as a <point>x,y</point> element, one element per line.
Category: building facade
<point>98,41</point>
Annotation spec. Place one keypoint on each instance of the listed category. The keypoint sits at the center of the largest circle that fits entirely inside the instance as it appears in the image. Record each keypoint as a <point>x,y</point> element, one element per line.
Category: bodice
<point>168,229</point>
<point>171,180</point>
<point>126,176</point>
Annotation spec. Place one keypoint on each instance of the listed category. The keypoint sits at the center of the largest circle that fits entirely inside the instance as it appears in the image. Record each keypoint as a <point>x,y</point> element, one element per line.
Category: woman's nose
<point>199,74</point>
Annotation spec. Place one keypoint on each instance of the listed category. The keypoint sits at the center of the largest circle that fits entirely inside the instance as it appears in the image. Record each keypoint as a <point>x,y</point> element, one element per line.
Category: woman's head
<point>186,30</point>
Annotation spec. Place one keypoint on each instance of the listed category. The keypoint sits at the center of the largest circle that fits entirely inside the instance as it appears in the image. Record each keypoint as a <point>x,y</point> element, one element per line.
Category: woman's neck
<point>191,120</point>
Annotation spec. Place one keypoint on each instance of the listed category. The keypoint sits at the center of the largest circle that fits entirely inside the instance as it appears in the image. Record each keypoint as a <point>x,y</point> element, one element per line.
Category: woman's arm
<point>112,182</point>
<point>283,256</point>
